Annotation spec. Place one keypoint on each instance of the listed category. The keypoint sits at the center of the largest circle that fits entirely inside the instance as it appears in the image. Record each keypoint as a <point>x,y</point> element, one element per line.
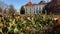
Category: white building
<point>31,8</point>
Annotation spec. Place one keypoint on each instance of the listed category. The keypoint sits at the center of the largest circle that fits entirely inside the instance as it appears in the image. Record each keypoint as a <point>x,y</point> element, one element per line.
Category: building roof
<point>29,4</point>
<point>32,4</point>
<point>42,2</point>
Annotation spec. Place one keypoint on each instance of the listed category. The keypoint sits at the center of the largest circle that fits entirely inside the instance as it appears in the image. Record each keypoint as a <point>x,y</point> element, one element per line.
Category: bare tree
<point>5,11</point>
<point>0,10</point>
<point>53,6</point>
<point>11,9</point>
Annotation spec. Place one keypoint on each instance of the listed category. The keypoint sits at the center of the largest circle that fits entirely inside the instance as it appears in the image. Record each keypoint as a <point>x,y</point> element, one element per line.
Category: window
<point>30,10</point>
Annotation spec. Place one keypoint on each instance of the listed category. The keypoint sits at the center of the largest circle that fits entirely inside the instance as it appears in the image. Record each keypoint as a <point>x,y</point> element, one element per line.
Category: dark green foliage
<point>11,32</point>
<point>12,26</point>
<point>7,20</point>
<point>54,21</point>
<point>19,25</point>
<point>2,20</point>
<point>0,32</point>
<point>4,29</point>
<point>0,15</point>
<point>22,11</point>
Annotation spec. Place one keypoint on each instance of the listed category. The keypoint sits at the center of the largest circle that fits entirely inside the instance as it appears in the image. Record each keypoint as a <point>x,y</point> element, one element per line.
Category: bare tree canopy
<point>11,9</point>
<point>0,10</point>
<point>53,7</point>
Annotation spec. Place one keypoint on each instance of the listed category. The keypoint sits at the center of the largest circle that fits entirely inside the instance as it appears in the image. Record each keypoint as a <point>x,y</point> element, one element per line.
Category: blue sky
<point>18,3</point>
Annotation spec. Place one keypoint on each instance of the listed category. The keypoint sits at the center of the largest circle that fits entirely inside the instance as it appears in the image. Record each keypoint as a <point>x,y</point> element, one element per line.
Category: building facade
<point>31,8</point>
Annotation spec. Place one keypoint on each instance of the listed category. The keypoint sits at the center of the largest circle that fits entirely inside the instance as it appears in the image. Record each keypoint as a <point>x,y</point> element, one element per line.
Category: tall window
<point>37,10</point>
<point>26,11</point>
<point>30,10</point>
